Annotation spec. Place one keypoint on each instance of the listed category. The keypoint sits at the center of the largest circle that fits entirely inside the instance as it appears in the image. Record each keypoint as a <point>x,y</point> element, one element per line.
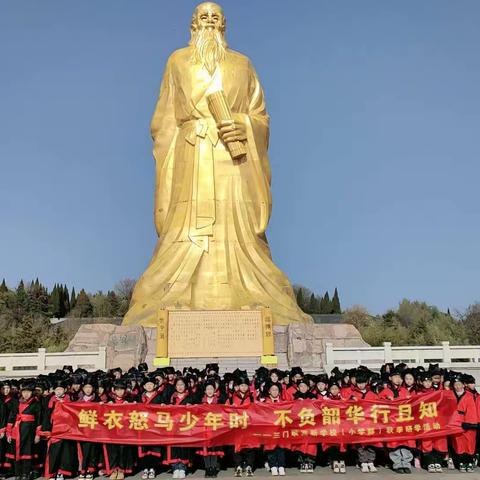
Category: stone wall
<point>125,346</point>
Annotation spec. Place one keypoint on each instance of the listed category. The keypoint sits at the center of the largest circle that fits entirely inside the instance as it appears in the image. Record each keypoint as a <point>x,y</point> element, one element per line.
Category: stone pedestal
<point>300,345</point>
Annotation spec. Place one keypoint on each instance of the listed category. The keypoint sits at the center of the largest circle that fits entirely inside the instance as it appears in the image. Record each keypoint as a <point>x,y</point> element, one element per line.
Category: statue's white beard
<point>209,47</point>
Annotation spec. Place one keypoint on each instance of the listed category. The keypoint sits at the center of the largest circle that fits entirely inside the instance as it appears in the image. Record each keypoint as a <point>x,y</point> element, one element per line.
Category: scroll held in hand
<point>217,103</point>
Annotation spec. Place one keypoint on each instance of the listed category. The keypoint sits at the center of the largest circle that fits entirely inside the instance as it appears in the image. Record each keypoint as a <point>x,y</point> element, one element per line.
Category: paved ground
<point>352,472</point>
<point>324,472</point>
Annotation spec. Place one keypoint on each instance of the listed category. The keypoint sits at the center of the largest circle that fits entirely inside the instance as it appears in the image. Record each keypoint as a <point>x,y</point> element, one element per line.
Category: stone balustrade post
<point>102,358</point>
<point>387,352</point>
<point>329,357</point>
<point>447,354</point>
<point>41,360</point>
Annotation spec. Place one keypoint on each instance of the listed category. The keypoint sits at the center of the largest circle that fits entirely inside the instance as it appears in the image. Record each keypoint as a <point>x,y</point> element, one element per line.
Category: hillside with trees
<point>26,310</point>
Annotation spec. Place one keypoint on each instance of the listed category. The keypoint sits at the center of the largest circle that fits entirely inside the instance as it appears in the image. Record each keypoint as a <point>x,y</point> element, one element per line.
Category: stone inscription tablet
<point>213,333</point>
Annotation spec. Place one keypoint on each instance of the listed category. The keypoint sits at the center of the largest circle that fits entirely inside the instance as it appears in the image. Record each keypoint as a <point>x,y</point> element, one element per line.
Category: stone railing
<point>41,362</point>
<point>449,356</point>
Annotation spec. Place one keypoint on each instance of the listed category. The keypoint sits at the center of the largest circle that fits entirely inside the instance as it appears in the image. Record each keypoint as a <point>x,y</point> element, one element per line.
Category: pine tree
<point>3,287</point>
<point>336,308</point>
<point>83,306</point>
<point>113,304</point>
<point>55,302</point>
<point>73,299</point>
<point>312,304</point>
<point>38,299</point>
<point>66,300</point>
<point>300,299</point>
<point>327,306</point>
<point>21,301</point>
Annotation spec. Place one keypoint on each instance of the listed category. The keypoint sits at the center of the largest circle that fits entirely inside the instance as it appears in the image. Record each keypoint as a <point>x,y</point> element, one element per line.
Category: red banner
<point>285,424</point>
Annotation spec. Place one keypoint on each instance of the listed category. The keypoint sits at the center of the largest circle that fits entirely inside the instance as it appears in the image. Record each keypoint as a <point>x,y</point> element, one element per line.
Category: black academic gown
<point>89,453</point>
<point>62,455</point>
<point>23,425</point>
<point>180,454</point>
<point>119,457</point>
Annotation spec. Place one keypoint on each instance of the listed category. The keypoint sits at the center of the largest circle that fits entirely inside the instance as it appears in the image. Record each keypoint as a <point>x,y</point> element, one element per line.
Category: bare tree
<point>124,288</point>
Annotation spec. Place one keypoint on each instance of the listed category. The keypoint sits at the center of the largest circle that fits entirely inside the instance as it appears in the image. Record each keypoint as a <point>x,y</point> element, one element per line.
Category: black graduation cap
<point>323,377</point>
<point>210,381</point>
<point>105,383</point>
<point>426,375</point>
<point>269,384</point>
<point>402,366</point>
<point>296,371</point>
<point>60,383</point>
<point>91,380</point>
<point>261,372</point>
<point>303,380</point>
<point>212,366</point>
<point>28,384</point>
<point>242,377</point>
<point>376,384</point>
<point>395,371</point>
<point>362,377</point>
<point>77,379</point>
<point>467,378</point>
<point>169,371</point>
<point>42,384</point>
<point>67,367</point>
<point>143,367</point>
<point>410,371</point>
<point>120,383</point>
<point>334,381</point>
<point>148,379</point>
<point>336,372</point>
<point>458,377</point>
<point>159,372</point>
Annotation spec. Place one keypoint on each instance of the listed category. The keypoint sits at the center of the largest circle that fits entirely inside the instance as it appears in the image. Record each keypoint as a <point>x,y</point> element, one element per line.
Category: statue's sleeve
<point>257,142</point>
<point>164,131</point>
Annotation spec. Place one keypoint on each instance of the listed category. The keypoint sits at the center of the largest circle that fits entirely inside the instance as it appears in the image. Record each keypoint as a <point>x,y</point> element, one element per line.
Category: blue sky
<point>375,140</point>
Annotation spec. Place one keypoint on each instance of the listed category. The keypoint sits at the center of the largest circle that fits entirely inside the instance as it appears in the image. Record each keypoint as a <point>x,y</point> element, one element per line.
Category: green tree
<point>83,307</point>
<point>300,299</point>
<point>38,301</point>
<point>336,308</point>
<point>3,287</point>
<point>66,300</point>
<point>113,304</point>
<point>73,298</point>
<point>326,305</point>
<point>471,323</point>
<point>313,304</point>
<point>21,302</point>
<point>55,302</point>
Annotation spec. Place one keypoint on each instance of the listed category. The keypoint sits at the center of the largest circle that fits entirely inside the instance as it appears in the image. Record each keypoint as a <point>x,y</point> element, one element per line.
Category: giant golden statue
<point>212,199</point>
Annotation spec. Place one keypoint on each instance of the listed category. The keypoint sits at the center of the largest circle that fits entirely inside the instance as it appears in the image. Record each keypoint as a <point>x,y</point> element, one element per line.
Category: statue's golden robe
<point>211,212</point>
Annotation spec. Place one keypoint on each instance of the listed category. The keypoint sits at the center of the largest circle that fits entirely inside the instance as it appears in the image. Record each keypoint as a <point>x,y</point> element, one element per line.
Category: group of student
<point>26,408</point>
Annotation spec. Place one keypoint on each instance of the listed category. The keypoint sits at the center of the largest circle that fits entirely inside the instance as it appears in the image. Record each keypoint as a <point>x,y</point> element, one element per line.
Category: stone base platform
<point>295,345</point>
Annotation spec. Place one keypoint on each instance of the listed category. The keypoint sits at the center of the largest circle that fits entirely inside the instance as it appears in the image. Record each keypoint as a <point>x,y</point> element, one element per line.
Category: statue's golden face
<point>209,15</point>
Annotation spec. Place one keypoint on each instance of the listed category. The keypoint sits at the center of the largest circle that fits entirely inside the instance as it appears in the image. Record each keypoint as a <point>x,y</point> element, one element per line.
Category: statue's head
<point>208,35</point>
<point>208,15</point>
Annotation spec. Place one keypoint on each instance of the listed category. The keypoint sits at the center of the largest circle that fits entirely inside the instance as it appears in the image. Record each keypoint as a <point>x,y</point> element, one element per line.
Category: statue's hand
<point>233,130</point>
